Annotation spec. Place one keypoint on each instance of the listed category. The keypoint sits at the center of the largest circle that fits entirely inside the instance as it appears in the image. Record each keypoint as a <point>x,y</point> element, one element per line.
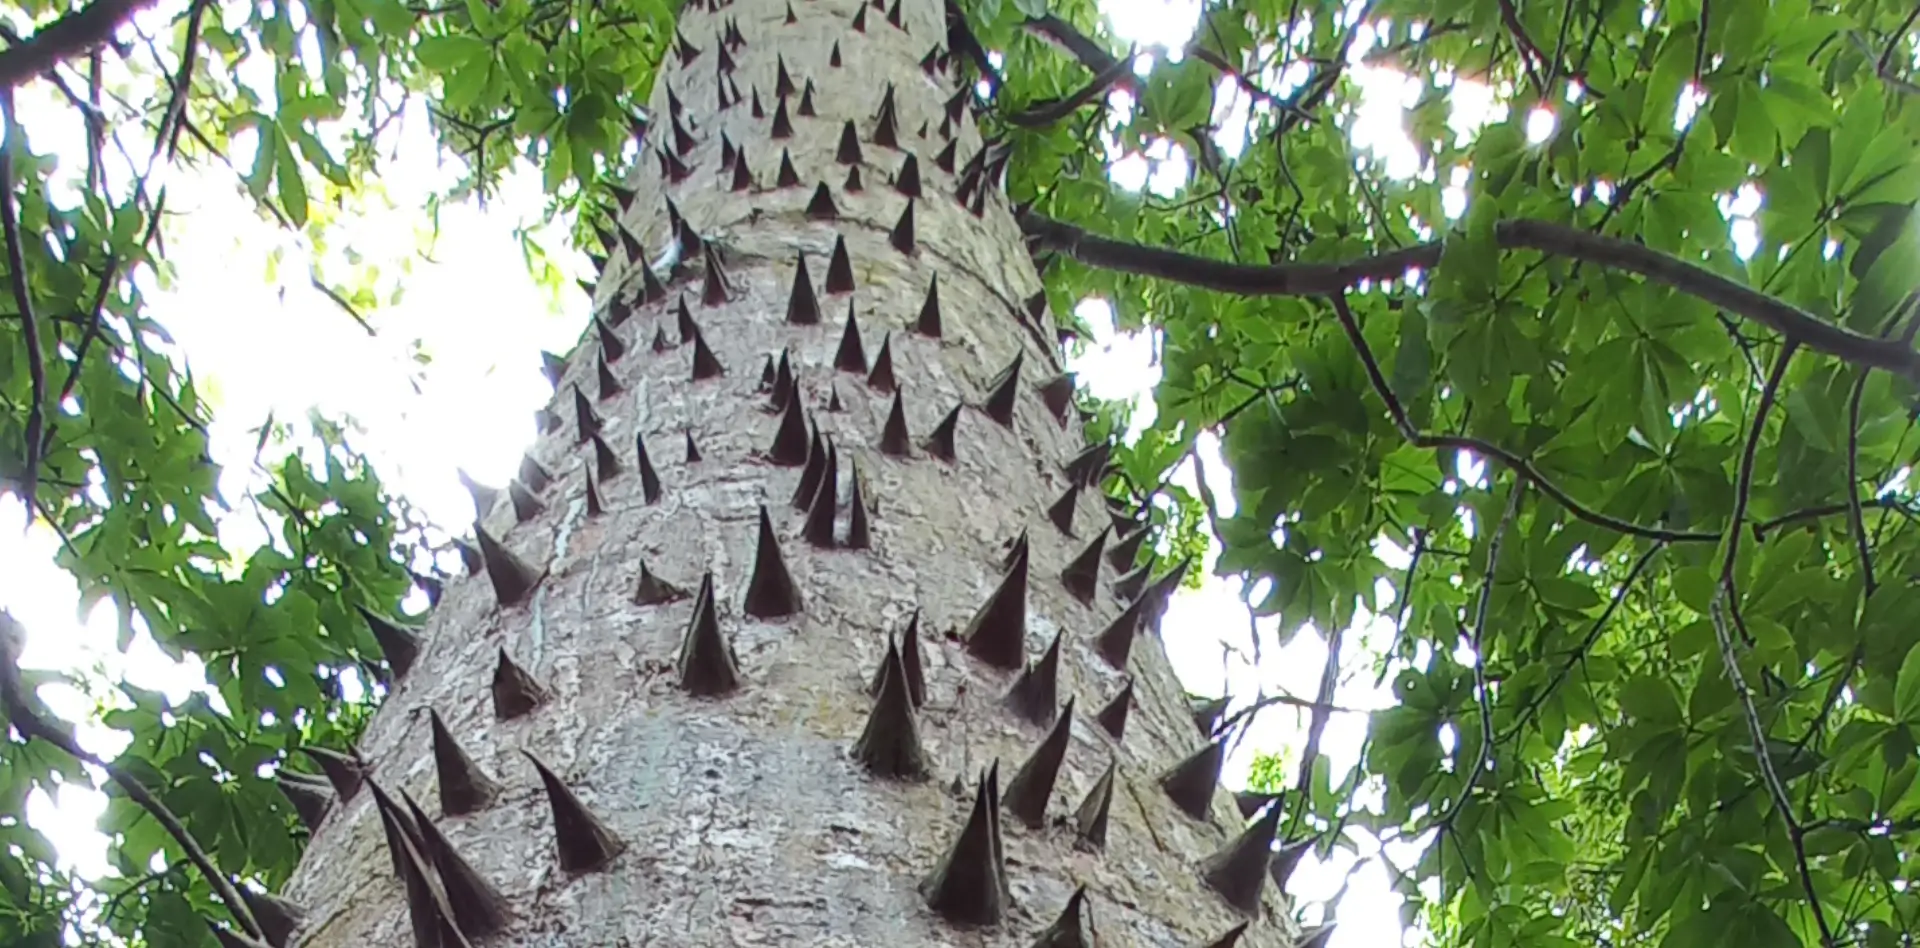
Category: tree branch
<point>23,299</point>
<point>1049,111</point>
<point>72,35</point>
<point>1484,758</point>
<point>1593,635</point>
<point>1725,606</point>
<point>30,726</point>
<point>1518,464</point>
<point>1323,279</point>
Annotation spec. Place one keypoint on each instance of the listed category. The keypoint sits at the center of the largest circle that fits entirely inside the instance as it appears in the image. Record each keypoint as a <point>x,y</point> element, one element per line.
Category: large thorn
<point>653,591</point>
<point>427,908</point>
<point>525,505</point>
<point>1114,644</point>
<point>1207,712</point>
<point>890,744</point>
<point>907,182</point>
<point>623,196</point>
<point>400,830</point>
<point>782,80</point>
<point>512,578</point>
<point>1249,802</point>
<point>649,480</point>
<point>727,152</point>
<point>344,771</point>
<point>1113,717</point>
<point>851,356</point>
<point>1057,394</point>
<point>881,378</point>
<point>687,52</point>
<point>833,57</point>
<point>1082,575</point>
<point>278,917</point>
<point>1060,513</point>
<point>997,633</point>
<point>742,175</point>
<point>758,110</point>
<point>1073,929</point>
<point>853,185</point>
<point>310,797</point>
<point>860,19</point>
<point>400,646</point>
<point>1016,548</point>
<point>969,886</point>
<point>470,557</point>
<point>553,367</point>
<point>1286,859</point>
<point>782,125</point>
<point>770,592</point>
<point>584,843</point>
<point>515,692</point>
<point>840,268</point>
<point>818,529</point>
<point>713,284</point>
<point>902,236</point>
<point>1238,870</point>
<point>810,475</point>
<point>929,322</point>
<point>477,907</point>
<point>1001,392</point>
<point>886,130</point>
<point>788,177</point>
<point>1090,820</point>
<point>464,787</point>
<point>705,364</point>
<point>673,168</point>
<point>683,321</point>
<point>821,207</point>
<point>789,447</point>
<point>706,666</point>
<point>894,440</point>
<point>945,159</point>
<point>609,383</point>
<point>1126,549</point>
<point>783,387</point>
<point>605,462</point>
<point>806,101</point>
<point>909,661</point>
<point>693,450</point>
<point>586,420</point>
<point>940,442</point>
<point>803,308</point>
<point>859,532</point>
<point>1032,696</point>
<point>1032,784</point>
<point>1084,470</point>
<point>1316,937</point>
<point>1128,586</point>
<point>595,506</point>
<point>1191,782</point>
<point>894,16</point>
<point>848,153</point>
<point>651,289</point>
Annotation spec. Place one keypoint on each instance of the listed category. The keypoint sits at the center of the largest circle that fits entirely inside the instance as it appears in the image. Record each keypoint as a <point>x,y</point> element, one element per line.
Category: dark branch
<point>1325,279</point>
<point>75,34</point>
<point>1529,52</point>
<point>30,725</point>
<point>1049,111</point>
<point>1484,758</point>
<point>1586,645</point>
<point>23,299</point>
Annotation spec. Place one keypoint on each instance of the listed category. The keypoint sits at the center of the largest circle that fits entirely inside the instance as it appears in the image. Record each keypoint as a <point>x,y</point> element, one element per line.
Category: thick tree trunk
<point>745,818</point>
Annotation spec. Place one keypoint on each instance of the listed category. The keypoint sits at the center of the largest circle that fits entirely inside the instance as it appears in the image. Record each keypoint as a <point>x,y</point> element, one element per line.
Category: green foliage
<point>1593,774</point>
<point>1596,777</point>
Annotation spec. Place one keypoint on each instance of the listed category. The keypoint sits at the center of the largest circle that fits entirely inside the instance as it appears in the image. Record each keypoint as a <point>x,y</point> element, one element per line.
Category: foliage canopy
<point>1651,553</point>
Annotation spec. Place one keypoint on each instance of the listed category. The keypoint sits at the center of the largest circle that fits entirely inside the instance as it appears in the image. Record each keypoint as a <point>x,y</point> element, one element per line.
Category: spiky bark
<point>743,814</point>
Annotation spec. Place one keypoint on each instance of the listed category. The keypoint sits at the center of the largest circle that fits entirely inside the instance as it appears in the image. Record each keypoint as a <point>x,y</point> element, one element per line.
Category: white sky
<point>276,347</point>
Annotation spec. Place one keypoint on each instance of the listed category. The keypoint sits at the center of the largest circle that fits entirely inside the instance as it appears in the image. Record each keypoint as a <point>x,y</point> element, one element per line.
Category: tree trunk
<point>745,817</point>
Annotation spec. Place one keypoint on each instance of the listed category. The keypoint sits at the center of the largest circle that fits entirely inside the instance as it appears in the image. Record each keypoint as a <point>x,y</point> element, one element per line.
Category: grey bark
<point>744,819</point>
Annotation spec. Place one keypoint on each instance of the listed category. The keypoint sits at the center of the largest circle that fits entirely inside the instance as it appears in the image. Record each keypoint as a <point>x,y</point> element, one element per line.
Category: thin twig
<point>30,726</point>
<point>1516,463</point>
<point>1484,759</point>
<point>1325,279</point>
<point>1529,53</point>
<point>23,299</point>
<point>1044,113</point>
<point>1593,635</point>
<point>1724,608</point>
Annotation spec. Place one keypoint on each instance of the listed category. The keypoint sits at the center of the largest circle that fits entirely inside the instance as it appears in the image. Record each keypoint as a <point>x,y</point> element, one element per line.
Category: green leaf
<point>1906,689</point>
<point>446,52</point>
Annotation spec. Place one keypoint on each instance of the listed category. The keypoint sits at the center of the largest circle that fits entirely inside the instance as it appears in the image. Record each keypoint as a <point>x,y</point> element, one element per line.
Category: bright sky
<point>470,406</point>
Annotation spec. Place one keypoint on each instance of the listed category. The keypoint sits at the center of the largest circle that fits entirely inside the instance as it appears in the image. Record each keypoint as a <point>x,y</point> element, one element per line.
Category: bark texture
<point>744,819</point>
